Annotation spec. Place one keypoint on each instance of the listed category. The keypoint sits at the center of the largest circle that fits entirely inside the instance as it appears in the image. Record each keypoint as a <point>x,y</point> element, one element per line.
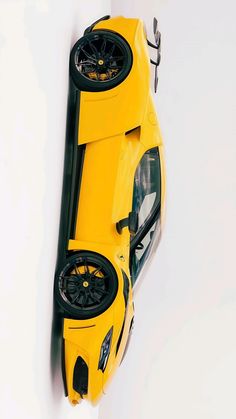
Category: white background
<point>181,360</point>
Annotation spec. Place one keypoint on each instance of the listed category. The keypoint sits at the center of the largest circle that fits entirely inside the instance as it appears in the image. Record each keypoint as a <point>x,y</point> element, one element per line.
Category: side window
<point>146,203</point>
<point>147,185</point>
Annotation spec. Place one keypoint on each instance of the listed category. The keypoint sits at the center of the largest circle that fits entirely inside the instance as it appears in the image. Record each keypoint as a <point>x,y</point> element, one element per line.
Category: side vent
<point>126,287</point>
<point>80,377</point>
<point>134,132</point>
<point>120,337</point>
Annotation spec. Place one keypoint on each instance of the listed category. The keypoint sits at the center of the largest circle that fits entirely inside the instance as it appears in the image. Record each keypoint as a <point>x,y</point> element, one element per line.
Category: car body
<point>112,201</point>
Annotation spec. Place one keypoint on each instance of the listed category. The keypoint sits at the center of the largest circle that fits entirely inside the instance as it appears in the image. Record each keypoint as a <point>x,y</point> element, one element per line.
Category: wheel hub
<point>85,285</point>
<point>100,59</point>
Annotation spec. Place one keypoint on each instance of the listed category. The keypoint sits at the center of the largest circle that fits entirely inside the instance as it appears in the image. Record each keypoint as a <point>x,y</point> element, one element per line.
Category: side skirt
<point>73,167</point>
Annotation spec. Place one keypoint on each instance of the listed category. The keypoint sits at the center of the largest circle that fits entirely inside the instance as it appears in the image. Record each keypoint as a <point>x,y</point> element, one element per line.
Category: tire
<point>86,285</point>
<point>99,61</point>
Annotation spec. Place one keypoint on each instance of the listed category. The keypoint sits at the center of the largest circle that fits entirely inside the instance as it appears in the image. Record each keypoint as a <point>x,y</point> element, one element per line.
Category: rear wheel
<point>100,61</point>
<point>86,286</point>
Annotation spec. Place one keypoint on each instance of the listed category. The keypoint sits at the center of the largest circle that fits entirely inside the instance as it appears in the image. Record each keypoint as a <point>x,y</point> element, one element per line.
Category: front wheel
<point>86,286</point>
<point>100,61</point>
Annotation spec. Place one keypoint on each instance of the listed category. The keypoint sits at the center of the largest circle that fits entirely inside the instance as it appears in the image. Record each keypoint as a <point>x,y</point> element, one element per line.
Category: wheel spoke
<point>69,277</point>
<point>114,67</point>
<point>103,48</point>
<point>111,50</point>
<point>99,279</point>
<point>75,297</point>
<point>86,62</point>
<point>87,54</point>
<point>101,290</point>
<point>93,48</point>
<point>117,58</point>
<point>77,271</point>
<point>86,71</point>
<point>86,268</point>
<point>69,280</point>
<point>96,270</point>
<point>85,299</point>
<point>94,298</point>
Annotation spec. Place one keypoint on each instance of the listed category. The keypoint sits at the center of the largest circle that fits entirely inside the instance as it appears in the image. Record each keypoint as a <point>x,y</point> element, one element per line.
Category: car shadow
<point>56,354</point>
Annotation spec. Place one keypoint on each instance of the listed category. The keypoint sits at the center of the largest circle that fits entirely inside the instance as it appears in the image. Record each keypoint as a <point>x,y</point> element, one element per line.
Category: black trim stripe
<point>63,367</point>
<point>73,166</point>
<point>75,186</point>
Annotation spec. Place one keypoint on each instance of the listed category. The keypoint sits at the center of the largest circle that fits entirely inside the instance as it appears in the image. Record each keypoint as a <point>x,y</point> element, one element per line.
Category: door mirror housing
<point>131,222</point>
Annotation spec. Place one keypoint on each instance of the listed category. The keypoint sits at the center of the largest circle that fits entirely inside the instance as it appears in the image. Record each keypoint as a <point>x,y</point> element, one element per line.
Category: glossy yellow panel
<point>122,108</point>
<point>106,194</point>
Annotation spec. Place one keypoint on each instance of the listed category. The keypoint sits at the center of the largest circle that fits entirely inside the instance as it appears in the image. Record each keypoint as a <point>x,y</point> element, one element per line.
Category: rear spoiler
<point>90,28</point>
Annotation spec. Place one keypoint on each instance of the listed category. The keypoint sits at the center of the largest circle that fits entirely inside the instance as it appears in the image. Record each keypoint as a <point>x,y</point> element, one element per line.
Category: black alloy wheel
<point>100,61</point>
<point>86,286</point>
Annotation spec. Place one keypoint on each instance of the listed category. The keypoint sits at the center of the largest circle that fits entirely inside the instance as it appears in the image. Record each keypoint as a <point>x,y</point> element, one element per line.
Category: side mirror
<point>131,222</point>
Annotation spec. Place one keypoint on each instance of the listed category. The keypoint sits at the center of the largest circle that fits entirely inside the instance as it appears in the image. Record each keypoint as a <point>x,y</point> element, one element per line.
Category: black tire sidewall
<point>83,314</point>
<point>84,84</point>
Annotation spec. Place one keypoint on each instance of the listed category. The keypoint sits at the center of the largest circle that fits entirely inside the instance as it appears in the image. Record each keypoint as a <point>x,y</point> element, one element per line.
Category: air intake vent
<point>126,287</point>
<point>134,132</point>
<point>80,377</point>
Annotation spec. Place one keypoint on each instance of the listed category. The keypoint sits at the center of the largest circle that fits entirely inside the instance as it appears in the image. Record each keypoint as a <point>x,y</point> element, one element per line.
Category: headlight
<point>105,350</point>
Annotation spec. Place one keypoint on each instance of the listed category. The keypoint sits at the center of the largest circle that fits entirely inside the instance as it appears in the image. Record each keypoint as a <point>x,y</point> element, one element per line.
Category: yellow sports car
<point>112,199</point>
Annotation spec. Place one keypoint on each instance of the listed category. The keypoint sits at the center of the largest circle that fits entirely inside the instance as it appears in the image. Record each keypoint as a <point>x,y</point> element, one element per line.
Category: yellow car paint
<point>122,108</point>
<point>111,158</point>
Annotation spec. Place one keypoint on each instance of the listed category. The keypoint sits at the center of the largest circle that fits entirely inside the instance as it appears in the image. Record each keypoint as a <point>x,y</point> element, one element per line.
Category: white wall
<point>181,360</point>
